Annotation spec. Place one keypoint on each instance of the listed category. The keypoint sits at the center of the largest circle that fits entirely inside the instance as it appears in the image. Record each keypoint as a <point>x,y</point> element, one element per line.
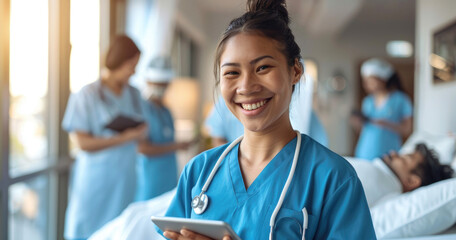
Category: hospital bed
<point>426,213</point>
<point>134,223</point>
<point>449,234</point>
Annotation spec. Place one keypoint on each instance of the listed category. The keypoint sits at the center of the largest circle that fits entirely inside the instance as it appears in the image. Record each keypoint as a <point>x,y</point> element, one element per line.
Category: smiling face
<point>256,81</point>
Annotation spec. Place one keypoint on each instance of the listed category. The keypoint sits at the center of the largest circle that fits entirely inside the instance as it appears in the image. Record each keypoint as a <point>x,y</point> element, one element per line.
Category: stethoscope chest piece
<point>199,203</point>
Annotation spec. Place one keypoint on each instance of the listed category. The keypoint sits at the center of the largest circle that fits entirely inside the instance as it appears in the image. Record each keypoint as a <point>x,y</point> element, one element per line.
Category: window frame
<point>59,163</point>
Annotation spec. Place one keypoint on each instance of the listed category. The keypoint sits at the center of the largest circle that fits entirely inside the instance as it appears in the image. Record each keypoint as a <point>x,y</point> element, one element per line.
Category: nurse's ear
<point>296,71</point>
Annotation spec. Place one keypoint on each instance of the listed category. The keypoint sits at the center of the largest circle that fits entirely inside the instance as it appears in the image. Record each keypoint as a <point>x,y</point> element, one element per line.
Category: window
<point>28,85</point>
<point>184,54</point>
<point>34,78</point>
<point>85,43</point>
<point>28,209</point>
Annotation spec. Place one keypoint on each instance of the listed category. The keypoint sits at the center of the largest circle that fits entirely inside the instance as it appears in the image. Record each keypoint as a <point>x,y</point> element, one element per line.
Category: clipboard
<point>121,123</point>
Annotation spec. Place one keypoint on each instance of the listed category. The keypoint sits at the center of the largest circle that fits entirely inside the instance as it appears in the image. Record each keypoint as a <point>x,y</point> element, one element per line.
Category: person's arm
<point>356,123</point>
<point>345,214</point>
<point>149,148</point>
<point>404,128</point>
<point>359,117</point>
<point>91,143</point>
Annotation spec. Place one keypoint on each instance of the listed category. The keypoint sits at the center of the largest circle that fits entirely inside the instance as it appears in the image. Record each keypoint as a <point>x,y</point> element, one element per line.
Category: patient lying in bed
<point>384,180</point>
<point>394,174</point>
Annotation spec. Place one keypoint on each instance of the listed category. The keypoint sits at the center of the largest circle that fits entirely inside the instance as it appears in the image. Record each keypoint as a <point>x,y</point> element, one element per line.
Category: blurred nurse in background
<point>156,163</point>
<point>104,174</point>
<point>386,114</point>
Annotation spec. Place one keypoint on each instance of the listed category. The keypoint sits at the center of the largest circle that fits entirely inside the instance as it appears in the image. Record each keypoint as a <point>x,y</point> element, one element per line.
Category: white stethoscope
<point>200,202</point>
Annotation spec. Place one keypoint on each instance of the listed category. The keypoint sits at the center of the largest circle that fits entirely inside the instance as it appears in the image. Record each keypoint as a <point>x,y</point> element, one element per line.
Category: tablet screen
<point>210,228</point>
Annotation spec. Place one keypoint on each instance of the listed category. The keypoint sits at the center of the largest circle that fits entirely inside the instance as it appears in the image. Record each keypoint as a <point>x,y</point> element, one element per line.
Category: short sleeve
<point>214,122</point>
<point>345,214</point>
<point>76,116</point>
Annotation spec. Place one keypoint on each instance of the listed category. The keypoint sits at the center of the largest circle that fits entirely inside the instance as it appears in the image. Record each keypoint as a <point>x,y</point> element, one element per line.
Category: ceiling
<point>332,17</point>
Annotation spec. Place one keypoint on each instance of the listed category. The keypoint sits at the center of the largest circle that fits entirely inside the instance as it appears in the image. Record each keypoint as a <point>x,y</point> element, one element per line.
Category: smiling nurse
<point>273,183</point>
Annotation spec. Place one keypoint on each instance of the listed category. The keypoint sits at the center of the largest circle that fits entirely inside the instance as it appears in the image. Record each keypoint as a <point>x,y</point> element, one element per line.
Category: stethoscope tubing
<point>287,184</point>
<point>284,190</point>
<point>217,164</point>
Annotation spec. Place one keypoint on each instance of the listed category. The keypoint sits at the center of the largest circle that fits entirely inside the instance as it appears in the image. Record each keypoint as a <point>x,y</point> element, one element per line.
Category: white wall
<point>435,104</point>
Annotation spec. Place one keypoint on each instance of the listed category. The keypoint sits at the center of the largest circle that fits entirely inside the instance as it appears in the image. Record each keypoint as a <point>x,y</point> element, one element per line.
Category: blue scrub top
<point>221,123</point>
<point>157,174</point>
<point>102,183</point>
<point>374,140</point>
<point>324,183</point>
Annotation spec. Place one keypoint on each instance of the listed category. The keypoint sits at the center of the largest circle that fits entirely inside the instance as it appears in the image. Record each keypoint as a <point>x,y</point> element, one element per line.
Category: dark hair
<point>430,170</point>
<point>394,83</point>
<point>121,49</point>
<point>265,17</point>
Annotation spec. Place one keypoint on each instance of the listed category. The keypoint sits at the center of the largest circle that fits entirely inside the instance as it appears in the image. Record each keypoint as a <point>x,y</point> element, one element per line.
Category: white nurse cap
<point>378,68</point>
<point>159,70</point>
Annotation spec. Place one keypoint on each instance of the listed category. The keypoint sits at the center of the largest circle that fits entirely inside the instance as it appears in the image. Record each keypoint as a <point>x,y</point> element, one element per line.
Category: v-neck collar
<point>384,103</point>
<point>285,156</point>
<point>110,94</point>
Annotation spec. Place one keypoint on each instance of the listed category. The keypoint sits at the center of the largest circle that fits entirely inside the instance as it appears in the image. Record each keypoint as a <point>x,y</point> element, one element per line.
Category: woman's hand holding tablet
<point>184,228</point>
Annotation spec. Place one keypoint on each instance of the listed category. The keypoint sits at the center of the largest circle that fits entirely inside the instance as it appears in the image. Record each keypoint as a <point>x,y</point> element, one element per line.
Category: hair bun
<point>277,6</point>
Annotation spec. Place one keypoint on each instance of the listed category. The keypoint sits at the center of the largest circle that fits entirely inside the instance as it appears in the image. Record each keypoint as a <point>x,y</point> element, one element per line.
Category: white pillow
<point>443,144</point>
<point>453,165</point>
<point>424,211</point>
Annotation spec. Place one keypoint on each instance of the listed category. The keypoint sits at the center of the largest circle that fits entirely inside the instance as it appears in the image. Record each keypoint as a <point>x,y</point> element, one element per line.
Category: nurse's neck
<point>257,149</point>
<point>112,83</point>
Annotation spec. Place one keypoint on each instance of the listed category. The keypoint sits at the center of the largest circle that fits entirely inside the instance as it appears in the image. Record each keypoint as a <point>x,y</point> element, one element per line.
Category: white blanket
<point>134,222</point>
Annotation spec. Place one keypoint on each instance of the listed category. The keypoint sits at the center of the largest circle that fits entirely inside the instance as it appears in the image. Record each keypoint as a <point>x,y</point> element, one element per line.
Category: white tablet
<point>211,228</point>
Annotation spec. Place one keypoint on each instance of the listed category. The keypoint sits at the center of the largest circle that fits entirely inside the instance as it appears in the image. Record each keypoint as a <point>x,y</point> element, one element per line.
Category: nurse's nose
<point>248,84</point>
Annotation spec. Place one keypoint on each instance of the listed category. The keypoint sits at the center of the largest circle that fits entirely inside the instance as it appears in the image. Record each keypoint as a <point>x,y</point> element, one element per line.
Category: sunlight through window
<point>85,43</point>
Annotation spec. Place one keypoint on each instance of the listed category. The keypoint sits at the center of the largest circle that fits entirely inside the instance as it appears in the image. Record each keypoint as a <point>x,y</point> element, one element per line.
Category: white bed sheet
<point>134,223</point>
<point>449,234</point>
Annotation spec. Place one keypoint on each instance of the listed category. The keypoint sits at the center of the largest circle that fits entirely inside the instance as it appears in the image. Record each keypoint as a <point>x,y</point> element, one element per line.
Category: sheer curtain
<point>150,23</point>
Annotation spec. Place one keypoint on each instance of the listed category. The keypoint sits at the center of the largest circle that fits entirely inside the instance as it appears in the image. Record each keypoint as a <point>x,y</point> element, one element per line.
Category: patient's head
<point>419,168</point>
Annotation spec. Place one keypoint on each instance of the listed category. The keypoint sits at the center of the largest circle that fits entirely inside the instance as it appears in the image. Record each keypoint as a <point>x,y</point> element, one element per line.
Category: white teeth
<point>253,106</point>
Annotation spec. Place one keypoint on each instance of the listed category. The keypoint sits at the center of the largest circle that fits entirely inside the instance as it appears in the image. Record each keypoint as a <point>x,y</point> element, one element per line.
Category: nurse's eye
<point>230,73</point>
<point>263,68</point>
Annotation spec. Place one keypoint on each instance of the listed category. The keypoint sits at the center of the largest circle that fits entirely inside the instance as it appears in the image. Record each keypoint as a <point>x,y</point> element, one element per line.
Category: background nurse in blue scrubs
<point>156,163</point>
<point>386,112</point>
<point>274,183</point>
<point>104,174</point>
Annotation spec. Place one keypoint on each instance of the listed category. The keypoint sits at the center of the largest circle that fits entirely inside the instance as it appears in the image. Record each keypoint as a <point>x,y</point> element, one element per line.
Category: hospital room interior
<point>67,141</point>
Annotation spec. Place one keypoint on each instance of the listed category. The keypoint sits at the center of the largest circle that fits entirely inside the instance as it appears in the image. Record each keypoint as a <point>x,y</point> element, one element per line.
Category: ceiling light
<point>399,49</point>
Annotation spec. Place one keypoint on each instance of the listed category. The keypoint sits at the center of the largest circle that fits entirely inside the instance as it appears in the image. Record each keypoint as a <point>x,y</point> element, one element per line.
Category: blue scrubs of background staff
<point>102,182</point>
<point>320,184</point>
<point>157,174</point>
<point>375,140</point>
